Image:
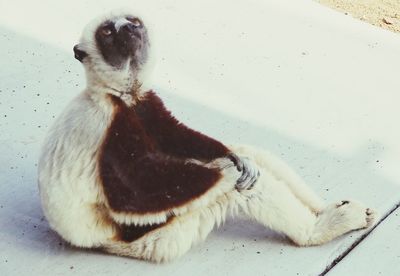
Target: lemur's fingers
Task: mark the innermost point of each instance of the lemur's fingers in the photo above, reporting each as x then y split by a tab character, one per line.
237	161
220	163
254	179
249	170
249	177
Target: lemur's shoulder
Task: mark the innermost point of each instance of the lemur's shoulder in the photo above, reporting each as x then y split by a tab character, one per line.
173	136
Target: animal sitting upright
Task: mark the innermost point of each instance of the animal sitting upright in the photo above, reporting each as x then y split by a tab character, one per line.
118	172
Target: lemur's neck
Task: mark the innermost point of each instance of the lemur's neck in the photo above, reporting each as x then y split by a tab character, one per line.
130	96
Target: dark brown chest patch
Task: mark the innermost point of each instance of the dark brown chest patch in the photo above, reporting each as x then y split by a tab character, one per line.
139	176
173	137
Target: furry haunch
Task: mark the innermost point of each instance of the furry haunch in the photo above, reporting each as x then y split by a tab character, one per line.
118	172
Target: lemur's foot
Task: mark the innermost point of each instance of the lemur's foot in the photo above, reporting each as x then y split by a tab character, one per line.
352	214
249	170
371	216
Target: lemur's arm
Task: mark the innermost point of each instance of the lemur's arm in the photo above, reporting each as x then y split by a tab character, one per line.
173	137
144	184
150	188
176	139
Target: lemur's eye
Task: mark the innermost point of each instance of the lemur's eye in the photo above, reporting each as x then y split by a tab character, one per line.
136	21
106	31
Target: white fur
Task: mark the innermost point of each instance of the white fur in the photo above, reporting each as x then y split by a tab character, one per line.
75	205
71	197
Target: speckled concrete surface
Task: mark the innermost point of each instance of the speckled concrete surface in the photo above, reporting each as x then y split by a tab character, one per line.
316	87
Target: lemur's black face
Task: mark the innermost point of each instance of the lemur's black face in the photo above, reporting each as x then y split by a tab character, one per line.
122	39
119	40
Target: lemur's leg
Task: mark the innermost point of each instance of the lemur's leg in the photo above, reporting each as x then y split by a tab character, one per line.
284	173
178	236
273	203
270	202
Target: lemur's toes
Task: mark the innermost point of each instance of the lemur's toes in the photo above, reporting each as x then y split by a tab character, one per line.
342	203
371	216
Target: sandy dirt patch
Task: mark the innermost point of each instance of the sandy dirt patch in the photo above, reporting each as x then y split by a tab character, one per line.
382	13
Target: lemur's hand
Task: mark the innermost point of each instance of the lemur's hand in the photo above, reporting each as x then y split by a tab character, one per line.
250	172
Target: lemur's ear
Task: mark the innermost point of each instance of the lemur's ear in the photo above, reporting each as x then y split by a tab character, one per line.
80	54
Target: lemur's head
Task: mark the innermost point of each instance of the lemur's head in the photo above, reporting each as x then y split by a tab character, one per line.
114	51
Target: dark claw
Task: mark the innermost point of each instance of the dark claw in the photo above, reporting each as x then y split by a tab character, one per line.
243	177
251	186
342	203
253	181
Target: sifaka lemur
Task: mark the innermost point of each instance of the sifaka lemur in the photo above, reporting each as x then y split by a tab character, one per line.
118	172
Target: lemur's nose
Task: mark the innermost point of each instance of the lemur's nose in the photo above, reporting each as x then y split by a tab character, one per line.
125	25
128	27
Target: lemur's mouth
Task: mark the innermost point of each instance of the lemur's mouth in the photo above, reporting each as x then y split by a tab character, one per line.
128	31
